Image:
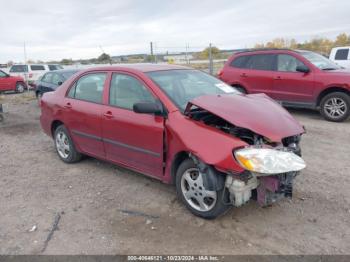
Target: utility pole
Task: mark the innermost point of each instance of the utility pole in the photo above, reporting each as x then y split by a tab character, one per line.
25	64
151	46
210	60
155	53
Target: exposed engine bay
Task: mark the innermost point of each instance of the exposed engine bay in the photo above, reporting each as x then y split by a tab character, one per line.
266	189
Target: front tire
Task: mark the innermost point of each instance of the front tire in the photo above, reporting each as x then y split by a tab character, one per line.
335	107
190	190
64	146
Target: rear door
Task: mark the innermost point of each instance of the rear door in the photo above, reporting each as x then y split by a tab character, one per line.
258	73
290	85
83	113
132	139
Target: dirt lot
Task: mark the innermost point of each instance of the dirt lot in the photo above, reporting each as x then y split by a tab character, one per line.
105	209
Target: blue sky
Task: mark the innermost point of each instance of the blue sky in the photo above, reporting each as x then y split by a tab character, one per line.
76	28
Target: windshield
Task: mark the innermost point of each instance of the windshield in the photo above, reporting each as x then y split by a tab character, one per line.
181	86
319	61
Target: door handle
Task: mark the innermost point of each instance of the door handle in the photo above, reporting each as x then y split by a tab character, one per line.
68	105
108	114
243	75
278	78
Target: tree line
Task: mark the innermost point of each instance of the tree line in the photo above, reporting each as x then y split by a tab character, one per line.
319	44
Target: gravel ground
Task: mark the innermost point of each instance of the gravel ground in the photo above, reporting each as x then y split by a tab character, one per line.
105	209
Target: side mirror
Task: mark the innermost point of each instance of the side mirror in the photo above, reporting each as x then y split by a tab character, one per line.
147	108
60	83
302	69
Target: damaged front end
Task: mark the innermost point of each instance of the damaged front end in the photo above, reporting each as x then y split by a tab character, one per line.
270	165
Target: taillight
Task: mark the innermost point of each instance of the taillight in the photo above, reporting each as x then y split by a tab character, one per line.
30	75
220	73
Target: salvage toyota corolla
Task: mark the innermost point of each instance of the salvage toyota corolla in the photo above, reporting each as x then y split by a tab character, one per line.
219	147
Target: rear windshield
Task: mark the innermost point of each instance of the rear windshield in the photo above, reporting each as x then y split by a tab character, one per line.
55	67
68	74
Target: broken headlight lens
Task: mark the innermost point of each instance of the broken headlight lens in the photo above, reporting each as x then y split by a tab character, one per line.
268	161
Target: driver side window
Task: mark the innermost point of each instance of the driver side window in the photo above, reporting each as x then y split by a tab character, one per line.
126	90
288	63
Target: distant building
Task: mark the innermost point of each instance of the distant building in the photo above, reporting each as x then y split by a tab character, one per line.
177	58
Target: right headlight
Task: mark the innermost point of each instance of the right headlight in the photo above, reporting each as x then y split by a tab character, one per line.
268	161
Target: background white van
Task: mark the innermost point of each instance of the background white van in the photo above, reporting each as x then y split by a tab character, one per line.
341	56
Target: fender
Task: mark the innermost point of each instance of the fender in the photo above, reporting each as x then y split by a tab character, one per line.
211	146
212	179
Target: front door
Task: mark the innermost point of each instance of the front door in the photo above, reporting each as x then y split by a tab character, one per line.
132	139
290	85
83	113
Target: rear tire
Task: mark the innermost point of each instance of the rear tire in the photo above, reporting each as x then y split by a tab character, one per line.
190	190
335	107
65	147
20	87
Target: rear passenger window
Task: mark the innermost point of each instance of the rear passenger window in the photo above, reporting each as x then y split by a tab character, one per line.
342	54
240	62
126	90
261	62
288	63
19	69
89	88
37	68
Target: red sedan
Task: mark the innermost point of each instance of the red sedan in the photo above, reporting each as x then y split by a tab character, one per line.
218	146
11	83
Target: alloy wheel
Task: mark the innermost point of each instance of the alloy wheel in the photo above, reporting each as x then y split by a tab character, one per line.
335	107
62	144
194	192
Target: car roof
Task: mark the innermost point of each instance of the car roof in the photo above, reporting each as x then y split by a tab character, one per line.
62	71
262	50
141	67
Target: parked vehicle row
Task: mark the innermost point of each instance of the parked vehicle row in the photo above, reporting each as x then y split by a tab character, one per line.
180	126
295	78
32	72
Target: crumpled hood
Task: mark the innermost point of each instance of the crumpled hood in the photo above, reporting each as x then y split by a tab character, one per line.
256	112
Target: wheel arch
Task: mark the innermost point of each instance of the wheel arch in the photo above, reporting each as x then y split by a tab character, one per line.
177	160
240	86
54	125
329	90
